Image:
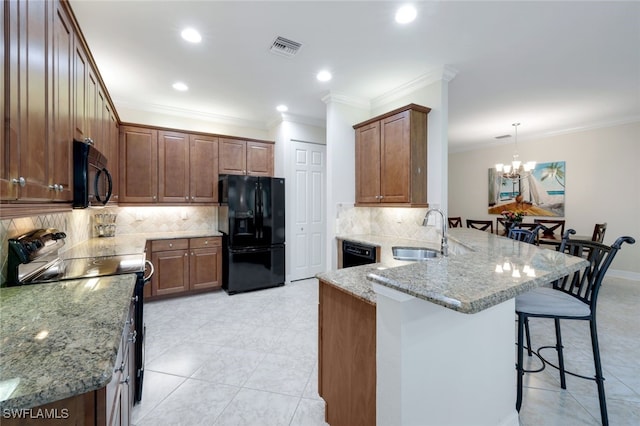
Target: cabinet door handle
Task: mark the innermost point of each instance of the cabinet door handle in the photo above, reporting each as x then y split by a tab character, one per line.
206	242
170	245
132	336
125	381
186	197
20	181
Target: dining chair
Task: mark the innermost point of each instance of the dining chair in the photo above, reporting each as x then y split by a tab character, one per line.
501	226
525	235
598	232
482	225
573	297
550	226
455	222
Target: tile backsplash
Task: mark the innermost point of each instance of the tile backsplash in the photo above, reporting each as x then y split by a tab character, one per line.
387	221
79	224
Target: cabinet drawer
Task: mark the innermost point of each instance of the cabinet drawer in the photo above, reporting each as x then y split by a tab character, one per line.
205	242
164	245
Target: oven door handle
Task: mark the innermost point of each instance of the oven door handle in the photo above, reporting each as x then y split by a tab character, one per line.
151	270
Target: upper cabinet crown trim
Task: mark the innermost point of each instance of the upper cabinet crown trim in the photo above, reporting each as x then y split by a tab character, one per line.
414	107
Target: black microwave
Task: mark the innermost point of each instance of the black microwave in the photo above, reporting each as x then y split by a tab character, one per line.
92	183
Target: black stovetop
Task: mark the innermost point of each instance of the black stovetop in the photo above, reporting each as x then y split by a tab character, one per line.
89	267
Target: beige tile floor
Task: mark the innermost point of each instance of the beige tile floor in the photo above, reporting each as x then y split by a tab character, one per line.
251	359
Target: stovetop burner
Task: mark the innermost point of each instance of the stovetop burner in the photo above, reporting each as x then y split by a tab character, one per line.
69	269
34	258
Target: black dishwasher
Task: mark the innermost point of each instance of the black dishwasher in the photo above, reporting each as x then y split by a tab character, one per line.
355	254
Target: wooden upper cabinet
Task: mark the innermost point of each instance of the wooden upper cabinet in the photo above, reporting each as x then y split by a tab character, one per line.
25	166
111	134
61	123
51	95
259	158
391	158
395	183
93	116
80	101
239	157
233	157
204	169
138	158
368	163
173	167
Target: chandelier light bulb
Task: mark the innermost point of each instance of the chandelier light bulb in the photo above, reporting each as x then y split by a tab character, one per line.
517	170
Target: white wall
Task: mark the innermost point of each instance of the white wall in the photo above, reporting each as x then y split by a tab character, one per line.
194	123
284	133
602	183
341	177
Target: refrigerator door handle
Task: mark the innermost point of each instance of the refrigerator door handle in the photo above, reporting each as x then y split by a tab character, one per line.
261	229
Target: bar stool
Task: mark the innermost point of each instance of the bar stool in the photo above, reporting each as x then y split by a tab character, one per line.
529	236
573	297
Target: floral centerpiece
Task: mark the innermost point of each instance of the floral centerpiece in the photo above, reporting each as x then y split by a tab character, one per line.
515	216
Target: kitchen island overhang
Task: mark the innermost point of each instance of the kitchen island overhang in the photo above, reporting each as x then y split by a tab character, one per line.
445	329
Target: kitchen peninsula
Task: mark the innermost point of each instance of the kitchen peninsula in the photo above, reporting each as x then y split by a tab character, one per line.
420	343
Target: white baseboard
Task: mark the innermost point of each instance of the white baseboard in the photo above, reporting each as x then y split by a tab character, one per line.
628	275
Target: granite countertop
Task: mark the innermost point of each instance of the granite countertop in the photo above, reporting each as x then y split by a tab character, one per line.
127	244
466	280
60	339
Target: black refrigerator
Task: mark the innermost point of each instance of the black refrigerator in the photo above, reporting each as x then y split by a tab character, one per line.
251	219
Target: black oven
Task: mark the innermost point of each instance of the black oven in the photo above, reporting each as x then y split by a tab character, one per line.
92	183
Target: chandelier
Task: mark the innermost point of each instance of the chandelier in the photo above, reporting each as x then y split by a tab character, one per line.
517	169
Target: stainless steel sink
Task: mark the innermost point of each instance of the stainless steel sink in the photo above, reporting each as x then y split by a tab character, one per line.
414	253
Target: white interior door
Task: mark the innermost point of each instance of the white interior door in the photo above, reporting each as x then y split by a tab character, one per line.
307	253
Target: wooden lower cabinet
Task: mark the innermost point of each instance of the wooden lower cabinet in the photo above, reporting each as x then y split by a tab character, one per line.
346	357
185	265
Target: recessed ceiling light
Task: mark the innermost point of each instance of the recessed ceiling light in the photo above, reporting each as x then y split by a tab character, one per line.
282	108
191	35
180	86
406	14
324	75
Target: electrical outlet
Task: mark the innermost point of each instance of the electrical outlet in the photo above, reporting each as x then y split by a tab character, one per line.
139	216
184	215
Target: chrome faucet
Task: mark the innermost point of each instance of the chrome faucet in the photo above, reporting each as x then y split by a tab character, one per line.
444	245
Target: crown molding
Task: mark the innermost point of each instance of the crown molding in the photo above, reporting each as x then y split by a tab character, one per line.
193	114
341	98
444	73
541	135
294	118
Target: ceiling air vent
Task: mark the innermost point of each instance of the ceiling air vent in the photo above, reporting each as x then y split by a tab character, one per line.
285	47
503	136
